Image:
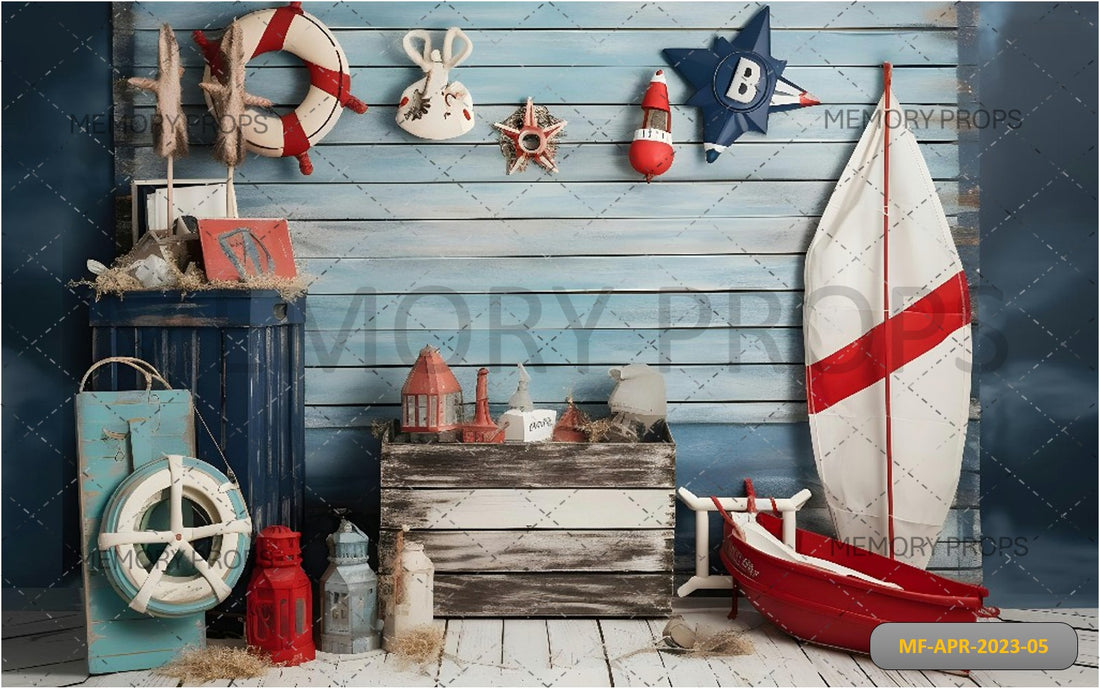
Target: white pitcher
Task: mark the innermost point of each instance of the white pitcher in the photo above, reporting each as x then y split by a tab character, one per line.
435	108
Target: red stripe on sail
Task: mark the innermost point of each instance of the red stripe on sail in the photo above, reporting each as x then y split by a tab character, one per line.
276	29
913	332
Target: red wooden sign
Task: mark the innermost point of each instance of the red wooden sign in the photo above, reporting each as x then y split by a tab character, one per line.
238	248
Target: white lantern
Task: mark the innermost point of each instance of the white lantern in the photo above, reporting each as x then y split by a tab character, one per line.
349	594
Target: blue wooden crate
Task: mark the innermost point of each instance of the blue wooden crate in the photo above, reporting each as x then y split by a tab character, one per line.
240	353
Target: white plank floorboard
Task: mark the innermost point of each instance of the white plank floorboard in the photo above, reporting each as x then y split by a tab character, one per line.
1086	648
631	654
684	669
576	650
395	672
1078	618
840	668
1073	676
560	652
893	676
473	653
710	616
526	653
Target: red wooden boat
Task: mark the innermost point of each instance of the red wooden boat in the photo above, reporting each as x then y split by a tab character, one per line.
823	593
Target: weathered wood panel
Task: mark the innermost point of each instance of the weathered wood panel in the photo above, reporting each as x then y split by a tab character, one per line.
553	594
530	551
522	508
551	464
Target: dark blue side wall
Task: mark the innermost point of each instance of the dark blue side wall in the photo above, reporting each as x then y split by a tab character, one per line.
1038	304
57	212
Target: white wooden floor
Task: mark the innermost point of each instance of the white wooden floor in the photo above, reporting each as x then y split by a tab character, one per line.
47	649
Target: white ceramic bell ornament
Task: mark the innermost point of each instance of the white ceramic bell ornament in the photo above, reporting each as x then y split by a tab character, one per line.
436	108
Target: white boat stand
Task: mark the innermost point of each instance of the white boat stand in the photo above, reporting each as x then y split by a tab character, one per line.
703	580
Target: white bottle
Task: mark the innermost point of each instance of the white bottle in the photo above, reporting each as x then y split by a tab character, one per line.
416	589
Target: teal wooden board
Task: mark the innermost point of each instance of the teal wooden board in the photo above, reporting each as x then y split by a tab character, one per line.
537	195
553	85
579	162
571	48
715	346
151	424
561	237
551	384
835	121
571	15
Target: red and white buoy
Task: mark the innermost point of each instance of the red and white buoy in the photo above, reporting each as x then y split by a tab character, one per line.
651	151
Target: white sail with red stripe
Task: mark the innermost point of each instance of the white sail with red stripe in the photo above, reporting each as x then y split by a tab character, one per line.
888	347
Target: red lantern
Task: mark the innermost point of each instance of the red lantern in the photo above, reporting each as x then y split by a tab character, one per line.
280	599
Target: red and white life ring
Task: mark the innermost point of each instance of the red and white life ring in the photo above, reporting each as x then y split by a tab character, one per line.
301	34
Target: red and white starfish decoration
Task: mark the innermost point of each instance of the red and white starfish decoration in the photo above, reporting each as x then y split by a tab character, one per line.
531	141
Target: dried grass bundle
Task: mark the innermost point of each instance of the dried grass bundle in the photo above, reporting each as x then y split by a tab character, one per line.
118	281
419	646
197	666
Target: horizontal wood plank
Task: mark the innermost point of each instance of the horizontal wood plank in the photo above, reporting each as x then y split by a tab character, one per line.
366	47
360	347
562	237
611	123
577	162
517	310
550	464
535	15
284	86
553	595
355	419
554	509
552	384
536	194
511	551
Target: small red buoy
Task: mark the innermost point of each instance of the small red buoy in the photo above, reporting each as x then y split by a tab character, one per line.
651	151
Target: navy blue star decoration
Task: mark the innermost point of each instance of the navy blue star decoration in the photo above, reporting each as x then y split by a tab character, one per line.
738	84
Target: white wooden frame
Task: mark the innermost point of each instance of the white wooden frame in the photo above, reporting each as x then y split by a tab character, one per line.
703	579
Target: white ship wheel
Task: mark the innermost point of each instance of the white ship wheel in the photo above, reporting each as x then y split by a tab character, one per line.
151	586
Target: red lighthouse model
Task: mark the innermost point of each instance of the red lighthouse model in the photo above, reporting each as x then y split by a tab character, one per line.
651	151
280	599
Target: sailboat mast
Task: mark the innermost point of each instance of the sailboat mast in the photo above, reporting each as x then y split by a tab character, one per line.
889	342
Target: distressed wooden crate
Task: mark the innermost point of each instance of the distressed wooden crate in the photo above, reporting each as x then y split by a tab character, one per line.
547	529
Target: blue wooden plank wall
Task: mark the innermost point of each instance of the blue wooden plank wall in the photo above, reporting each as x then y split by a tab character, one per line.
700	272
